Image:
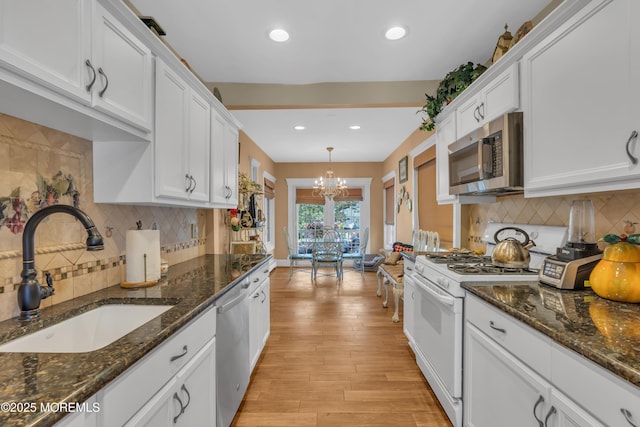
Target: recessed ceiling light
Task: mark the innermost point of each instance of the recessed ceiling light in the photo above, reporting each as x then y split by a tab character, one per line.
354	127
279	35
395	33
299	127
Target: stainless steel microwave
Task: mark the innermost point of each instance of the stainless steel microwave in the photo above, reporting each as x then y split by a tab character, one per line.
488	161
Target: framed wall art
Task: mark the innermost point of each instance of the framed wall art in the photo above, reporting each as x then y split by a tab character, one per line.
403	169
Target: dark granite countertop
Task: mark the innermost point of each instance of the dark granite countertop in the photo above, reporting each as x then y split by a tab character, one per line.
604	331
192	286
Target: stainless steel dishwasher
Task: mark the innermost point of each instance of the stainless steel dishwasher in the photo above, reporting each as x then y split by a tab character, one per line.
232	352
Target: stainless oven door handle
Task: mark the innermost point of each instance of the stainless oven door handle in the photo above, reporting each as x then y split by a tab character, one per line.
445	300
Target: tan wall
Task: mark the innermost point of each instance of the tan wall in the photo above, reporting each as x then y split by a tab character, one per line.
315	170
404	224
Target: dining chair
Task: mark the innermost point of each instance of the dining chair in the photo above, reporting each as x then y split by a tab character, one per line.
294	256
360	255
327	253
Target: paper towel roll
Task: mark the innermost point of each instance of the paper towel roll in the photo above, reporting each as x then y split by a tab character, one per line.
139	244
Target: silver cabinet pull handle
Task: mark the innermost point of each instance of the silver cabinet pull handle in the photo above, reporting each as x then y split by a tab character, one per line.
535	407
495	328
93	72
263	299
195	184
628	417
188	396
549	414
188	182
176	397
184	353
475	114
106	82
481	110
633	136
257	295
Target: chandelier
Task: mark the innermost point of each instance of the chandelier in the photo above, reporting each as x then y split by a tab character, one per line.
329	186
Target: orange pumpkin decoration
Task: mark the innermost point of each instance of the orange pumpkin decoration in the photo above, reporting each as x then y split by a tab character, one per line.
617	274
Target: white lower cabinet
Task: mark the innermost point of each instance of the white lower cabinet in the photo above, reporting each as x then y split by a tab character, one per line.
499	390
188	399
409	298
176	381
510	377
259	314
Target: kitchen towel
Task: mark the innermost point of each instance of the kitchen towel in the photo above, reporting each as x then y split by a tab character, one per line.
143	255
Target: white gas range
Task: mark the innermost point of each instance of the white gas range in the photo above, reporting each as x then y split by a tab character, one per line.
438	300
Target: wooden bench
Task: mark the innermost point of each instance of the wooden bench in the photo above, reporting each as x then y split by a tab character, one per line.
391	275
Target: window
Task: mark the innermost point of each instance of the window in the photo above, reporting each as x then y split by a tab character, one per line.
348	215
389	210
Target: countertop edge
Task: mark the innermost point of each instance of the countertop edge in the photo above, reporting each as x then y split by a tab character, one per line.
99	381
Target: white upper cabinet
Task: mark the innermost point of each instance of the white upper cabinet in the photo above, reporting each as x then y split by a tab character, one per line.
50	46
123	72
580	101
224	162
445	135
77	49
501	95
182	138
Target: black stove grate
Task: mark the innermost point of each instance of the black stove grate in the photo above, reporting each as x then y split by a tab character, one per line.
474	264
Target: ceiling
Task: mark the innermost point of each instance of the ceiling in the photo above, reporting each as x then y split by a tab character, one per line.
332	41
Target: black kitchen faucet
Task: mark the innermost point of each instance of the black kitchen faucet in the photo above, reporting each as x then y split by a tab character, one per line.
30	292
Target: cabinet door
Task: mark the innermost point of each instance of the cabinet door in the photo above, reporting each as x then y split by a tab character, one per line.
577	128
231	163
199	144
564	412
171	148
260	320
408	307
124	72
159	410
499	390
219	193
254	326
445	134
48	42
468	116
500	95
196	390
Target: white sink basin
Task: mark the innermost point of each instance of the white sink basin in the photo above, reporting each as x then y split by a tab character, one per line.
88	331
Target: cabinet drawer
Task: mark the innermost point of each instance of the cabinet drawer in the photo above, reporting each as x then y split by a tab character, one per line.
129	392
526	344
602	393
258	276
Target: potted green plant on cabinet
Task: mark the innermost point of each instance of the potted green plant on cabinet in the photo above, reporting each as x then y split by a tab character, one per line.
451	86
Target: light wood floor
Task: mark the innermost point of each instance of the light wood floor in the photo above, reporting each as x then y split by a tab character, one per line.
334	358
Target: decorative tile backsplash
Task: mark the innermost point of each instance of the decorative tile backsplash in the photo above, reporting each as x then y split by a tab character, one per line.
612	209
35	165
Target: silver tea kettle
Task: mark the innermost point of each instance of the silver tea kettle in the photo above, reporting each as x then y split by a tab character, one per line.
510	252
